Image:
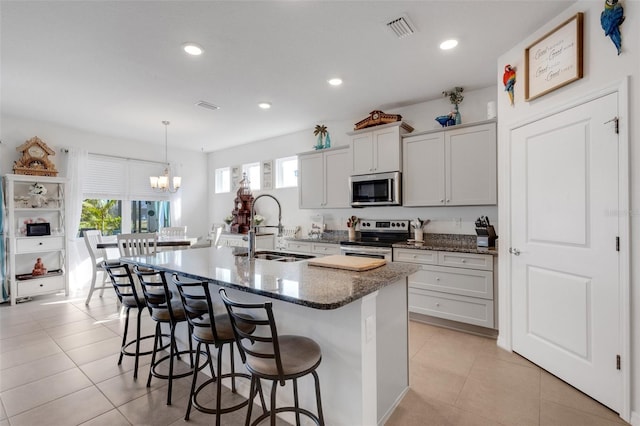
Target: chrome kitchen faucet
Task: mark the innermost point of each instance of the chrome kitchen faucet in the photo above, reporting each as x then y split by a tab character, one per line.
252	227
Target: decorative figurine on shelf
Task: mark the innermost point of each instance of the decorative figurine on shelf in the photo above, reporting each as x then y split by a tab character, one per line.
509	80
610	19
37	192
320	131
446	120
38	268
455	96
35	159
242	207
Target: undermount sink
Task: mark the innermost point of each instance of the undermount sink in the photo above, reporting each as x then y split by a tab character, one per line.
278	256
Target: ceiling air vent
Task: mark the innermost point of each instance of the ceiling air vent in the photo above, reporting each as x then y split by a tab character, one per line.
205	104
401	26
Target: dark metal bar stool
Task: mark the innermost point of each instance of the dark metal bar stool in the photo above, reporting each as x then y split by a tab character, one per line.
211	328
277	358
164	310
125	288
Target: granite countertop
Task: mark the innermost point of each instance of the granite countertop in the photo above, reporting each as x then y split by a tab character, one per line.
294	282
449	242
426	246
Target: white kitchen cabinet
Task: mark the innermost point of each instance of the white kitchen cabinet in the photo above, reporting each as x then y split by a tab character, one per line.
378	149
50	243
298	246
323	179
453	167
263	242
315	248
452	285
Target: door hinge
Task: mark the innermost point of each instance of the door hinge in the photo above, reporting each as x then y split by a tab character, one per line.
617	121
617	362
617	243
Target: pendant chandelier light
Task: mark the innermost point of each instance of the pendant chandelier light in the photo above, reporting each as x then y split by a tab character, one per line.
163	183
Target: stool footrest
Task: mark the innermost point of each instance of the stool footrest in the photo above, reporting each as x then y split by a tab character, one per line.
165	358
290	410
133	342
208	410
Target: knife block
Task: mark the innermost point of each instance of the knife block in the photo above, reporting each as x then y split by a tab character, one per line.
486	236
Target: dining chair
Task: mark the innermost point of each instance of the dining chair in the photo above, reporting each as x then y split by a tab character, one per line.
137	244
91	240
173	231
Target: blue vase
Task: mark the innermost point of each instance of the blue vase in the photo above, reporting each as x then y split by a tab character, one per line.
327	141
319	142
458	116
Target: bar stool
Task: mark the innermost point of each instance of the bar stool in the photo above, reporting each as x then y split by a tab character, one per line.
164	310
277	358
211	328
125	288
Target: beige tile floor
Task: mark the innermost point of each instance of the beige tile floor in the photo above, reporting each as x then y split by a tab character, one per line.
58	366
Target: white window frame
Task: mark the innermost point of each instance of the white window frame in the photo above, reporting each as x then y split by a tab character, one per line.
254	180
222	182
280	172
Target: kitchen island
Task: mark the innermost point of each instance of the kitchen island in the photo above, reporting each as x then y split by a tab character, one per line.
359	319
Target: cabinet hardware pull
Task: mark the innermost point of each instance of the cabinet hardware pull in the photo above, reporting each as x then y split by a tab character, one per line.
463	261
514	251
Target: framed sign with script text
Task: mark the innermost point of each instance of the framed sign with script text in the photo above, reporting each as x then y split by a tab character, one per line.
554	60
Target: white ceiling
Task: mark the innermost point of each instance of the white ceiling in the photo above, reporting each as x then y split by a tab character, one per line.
117	68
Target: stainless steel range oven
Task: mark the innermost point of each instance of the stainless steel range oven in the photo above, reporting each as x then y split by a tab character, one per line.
376	238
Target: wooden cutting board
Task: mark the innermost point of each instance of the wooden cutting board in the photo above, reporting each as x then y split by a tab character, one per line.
351	263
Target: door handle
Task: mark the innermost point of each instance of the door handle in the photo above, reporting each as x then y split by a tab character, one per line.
514	251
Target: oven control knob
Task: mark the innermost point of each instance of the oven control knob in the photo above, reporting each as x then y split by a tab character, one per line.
404	224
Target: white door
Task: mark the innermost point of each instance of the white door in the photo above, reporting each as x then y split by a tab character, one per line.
565	276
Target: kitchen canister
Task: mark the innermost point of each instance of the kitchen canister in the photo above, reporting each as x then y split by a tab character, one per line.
491	110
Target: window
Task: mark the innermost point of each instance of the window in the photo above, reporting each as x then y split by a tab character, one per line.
149	216
253	173
119	199
103	215
223	180
287	172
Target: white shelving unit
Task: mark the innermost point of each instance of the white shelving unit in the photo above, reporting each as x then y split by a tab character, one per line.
22	250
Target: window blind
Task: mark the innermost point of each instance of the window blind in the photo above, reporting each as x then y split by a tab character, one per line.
121	179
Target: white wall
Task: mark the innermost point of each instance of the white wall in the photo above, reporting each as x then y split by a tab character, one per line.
188	205
602	68
420	116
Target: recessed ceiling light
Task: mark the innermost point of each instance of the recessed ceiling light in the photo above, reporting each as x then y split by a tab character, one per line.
448	44
335	81
265	105
193	49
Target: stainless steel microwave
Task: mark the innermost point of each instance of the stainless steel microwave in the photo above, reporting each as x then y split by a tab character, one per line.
380	189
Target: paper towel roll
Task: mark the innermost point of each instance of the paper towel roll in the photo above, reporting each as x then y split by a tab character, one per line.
491	110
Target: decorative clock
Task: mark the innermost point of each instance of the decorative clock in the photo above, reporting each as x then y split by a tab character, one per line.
35	159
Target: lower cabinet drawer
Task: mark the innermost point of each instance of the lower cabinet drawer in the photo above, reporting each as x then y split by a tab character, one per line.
37	244
465	282
299	247
469	310
325	249
40	285
415	256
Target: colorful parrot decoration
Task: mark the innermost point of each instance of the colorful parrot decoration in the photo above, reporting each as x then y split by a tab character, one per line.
611	18
509	80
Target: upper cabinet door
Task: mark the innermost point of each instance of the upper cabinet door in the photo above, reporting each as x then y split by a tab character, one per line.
311	180
336	172
471	164
386	150
423	177
362	146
